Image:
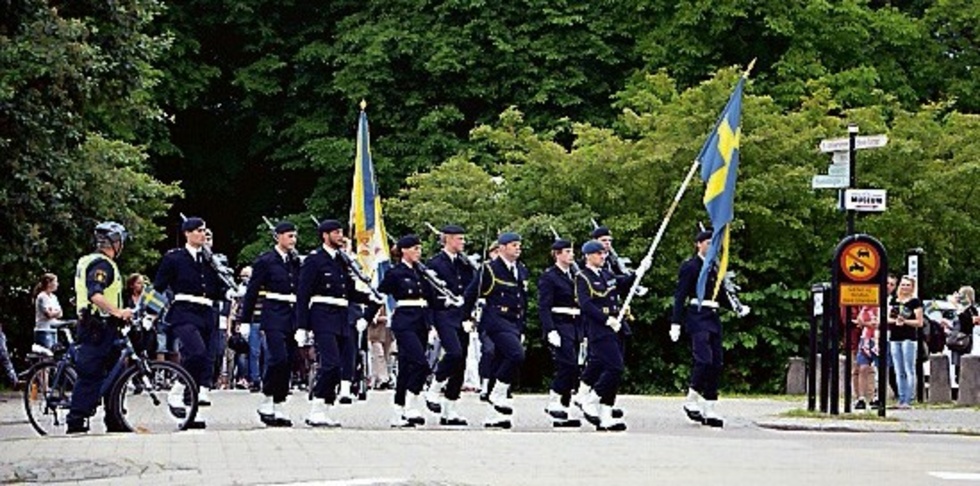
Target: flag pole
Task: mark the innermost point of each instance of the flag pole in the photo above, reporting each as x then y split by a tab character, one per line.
666	220
656	239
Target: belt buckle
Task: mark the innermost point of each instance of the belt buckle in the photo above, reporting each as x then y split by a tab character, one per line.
503	309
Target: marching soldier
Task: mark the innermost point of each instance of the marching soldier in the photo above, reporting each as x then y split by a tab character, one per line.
324	297
503	283
98	294
485	366
704	327
448	317
561	326
274	278
192	316
410	324
598	292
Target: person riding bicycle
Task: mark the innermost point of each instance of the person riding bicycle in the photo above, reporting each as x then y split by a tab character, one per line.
98	287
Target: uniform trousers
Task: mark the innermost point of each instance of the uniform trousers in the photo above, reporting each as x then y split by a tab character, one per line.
329	351
566	362
275	382
455	344
707	353
509	354
195	349
608	363
412	365
95	354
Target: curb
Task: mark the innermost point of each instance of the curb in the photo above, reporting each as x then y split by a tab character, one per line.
892	428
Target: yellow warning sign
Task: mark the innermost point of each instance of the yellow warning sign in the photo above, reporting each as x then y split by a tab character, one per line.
860	262
859	294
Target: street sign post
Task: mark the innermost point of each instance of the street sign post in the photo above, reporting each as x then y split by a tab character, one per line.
839	170
829	182
865	200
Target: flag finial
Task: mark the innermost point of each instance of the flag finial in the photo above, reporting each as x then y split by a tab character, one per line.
749	69
363	104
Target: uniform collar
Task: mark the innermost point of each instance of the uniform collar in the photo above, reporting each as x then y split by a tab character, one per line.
282	256
452	256
332	252
193	251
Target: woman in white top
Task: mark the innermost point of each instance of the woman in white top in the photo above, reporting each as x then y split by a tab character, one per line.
47	310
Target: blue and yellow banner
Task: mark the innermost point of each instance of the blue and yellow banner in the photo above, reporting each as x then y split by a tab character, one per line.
719	169
367	225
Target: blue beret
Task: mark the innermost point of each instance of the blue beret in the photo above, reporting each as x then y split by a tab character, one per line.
191	224
592	246
408	241
285	227
452	229
600	232
561	244
703	235
329	225
506	238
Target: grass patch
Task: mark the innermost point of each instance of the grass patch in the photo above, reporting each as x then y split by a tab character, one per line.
765	396
803	413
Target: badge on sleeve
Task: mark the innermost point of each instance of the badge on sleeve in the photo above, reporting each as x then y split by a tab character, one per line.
100	276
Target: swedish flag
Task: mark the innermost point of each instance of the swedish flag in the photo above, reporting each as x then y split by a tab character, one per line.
719	168
367	225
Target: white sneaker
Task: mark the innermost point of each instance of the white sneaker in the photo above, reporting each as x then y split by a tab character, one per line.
411	413
694	406
266	410
433	396
319	415
554	408
590	408
279	417
449	416
175	400
345	397
712	419
398	419
203	397
499	400
607	422
497	420
583	393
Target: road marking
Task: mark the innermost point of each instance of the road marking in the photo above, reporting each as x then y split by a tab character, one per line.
956	476
345	482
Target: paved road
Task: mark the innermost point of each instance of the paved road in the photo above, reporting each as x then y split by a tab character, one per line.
661	446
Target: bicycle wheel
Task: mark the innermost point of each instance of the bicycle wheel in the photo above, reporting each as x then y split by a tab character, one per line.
154	397
47	397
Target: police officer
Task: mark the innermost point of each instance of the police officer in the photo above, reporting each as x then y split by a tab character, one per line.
503	283
274	278
98	296
451	266
410	324
561	327
192	316
324	297
599	292
704	327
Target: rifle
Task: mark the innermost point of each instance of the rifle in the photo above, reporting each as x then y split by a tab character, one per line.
471	260
354	268
439	285
622	264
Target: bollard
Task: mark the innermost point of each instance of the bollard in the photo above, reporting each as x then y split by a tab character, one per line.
796	376
969	380
939	383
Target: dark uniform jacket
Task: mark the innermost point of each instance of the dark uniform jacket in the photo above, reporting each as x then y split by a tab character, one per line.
598	295
181	273
402	282
324	276
457	274
695	320
557	289
272	273
506	297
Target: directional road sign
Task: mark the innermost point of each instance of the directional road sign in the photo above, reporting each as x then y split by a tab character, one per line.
830	182
839	170
844	144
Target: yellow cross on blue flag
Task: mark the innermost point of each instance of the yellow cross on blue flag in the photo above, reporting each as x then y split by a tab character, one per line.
719	168
367	225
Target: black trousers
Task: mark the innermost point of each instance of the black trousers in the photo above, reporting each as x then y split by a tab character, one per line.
608	363
94	357
707	353
509	355
330	352
413	368
275	382
566	363
452	367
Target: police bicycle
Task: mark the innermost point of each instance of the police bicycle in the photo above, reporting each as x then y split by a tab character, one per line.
139	395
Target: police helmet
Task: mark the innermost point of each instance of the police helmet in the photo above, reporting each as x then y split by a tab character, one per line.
109	232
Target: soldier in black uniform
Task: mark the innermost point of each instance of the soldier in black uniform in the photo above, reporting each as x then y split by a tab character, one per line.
274	277
192	316
325	294
598	292
704	327
410	324
451	266
98	293
503	284
485	366
562	329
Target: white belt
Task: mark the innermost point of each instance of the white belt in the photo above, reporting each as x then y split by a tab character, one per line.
704	303
412	303
323	299
568	311
291	298
193	299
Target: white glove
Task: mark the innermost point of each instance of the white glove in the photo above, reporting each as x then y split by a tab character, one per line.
147	322
614	323
433	337
452	301
522	339
641	290
360	325
675	332
468	326
744	310
554	339
645	265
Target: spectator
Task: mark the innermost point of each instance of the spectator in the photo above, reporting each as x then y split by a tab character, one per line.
904	319
966	317
47	311
866	355
6	365
142	339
